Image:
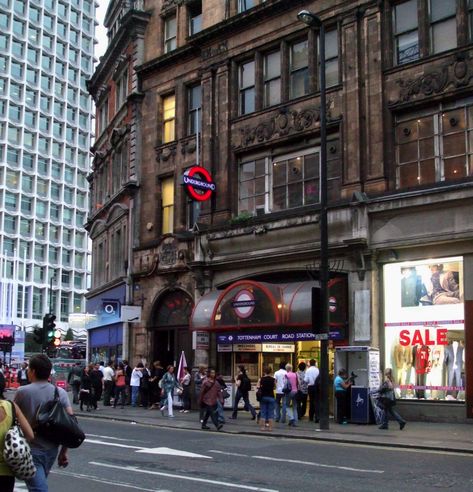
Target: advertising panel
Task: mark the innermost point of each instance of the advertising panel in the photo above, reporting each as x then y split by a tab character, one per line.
424	328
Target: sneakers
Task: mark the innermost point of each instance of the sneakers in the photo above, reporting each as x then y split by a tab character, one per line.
186	411
402	425
181	411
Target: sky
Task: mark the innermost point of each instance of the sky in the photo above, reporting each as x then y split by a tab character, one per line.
100	32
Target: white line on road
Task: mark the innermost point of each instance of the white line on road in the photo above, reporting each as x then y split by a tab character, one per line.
116	444
113	438
226	453
183	477
320	465
105	481
172	452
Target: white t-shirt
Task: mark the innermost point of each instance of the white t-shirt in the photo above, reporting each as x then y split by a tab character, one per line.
311	375
280	377
108	374
136	376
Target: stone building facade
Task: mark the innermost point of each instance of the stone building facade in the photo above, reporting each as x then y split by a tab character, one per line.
243	76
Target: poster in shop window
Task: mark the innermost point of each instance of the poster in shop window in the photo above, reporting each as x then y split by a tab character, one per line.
424	328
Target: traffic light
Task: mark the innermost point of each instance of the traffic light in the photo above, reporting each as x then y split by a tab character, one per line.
49	326
57	338
38	335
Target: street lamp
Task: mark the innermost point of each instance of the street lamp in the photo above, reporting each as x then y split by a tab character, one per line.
315	22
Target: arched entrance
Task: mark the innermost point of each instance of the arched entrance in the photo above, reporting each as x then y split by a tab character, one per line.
170	328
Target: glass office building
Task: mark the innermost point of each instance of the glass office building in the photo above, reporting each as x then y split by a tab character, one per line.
46	57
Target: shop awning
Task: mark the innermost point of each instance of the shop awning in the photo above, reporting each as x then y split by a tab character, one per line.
251	304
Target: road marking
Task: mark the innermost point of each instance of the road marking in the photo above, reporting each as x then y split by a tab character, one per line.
226	453
113	438
172	452
105	481
319	465
116	444
183	477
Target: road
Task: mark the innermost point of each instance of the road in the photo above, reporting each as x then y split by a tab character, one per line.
128	457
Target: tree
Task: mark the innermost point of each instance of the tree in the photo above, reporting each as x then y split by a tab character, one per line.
30	344
69	335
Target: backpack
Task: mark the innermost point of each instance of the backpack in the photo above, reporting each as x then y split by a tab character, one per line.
287	388
245	384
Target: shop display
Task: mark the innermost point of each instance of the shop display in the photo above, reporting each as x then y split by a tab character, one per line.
424	328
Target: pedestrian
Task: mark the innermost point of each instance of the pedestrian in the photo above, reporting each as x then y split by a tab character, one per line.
210	394
157	372
135	382
199	377
266	386
120	385
388	400
243	384
96	378
291	403
86	392
128	370
22	375
74	380
280	377
185	383
168	384
7	480
341	385
145	387
108	374
101	366
221	400
303	390
312	378
29	398
2	381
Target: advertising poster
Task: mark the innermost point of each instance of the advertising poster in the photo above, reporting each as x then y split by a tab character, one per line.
424	328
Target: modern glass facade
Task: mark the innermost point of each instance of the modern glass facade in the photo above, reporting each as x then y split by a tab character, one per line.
46	57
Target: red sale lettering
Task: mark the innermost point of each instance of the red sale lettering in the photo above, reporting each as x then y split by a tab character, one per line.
426	338
442	336
404	338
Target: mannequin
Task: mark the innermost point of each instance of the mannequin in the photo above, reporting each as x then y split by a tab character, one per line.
454	361
435	376
421	354
403	358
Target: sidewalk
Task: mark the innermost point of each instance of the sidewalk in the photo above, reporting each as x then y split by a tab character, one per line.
456	438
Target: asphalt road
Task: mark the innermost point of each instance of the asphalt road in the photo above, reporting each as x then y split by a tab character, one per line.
126	457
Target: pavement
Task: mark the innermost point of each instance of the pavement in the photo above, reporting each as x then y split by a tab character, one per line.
450	437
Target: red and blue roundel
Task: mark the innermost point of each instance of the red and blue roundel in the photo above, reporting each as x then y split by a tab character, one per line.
198	183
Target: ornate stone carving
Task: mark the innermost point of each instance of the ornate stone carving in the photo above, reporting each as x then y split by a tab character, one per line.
283	123
163	154
188	146
117	134
457	73
211	51
169	4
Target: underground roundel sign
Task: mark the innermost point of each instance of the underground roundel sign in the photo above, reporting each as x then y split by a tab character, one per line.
244	303
198	183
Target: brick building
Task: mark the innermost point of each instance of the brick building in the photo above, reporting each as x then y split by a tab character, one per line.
243	75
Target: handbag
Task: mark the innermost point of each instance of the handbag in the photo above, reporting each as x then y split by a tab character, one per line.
259	394
17	452
56	425
287	388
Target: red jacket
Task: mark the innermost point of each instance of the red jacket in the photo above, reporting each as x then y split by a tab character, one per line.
210	392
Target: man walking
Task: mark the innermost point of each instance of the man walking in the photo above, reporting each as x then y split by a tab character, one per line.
74	380
313	383
22	375
209	395
29	398
108	374
243	388
280	377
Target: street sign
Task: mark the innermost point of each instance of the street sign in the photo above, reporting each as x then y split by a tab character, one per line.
321	336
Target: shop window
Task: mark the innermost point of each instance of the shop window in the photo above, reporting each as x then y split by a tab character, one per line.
299	69
247	87
167	205
424	328
443	25
435	147
170	34
194	116
272	79
169	117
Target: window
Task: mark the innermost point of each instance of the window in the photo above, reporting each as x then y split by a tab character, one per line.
103	116
43	165
443	25
32	55
14	113
18	28
16	70
170	34
167	205
272	79
9	224
247	87
45	104
331	58
27	183
406	32
30	118
64	306
195	115
25	227
31	97
18	48
195	18
122	89
253	189
299	69
435	146
169	116
33	35
245	5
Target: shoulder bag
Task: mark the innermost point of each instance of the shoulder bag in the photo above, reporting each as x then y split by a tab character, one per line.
17	452
56	425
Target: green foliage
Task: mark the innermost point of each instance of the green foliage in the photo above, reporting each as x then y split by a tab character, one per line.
241	219
69	335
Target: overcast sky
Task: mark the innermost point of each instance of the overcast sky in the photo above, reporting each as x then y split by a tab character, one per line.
100	32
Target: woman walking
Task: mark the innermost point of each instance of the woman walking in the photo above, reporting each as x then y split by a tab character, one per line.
291	403
388	400
185	383
86	391
266	386
120	385
302	393
168	384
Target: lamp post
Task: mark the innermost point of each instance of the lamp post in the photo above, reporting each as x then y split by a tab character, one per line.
315	22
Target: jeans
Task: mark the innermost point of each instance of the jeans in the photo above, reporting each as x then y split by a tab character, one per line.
267	407
135	390
119	395
301	405
167	399
44	460
291	406
389	409
280	398
75	391
248	407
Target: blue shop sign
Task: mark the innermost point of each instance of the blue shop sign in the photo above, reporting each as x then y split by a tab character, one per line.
298	336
